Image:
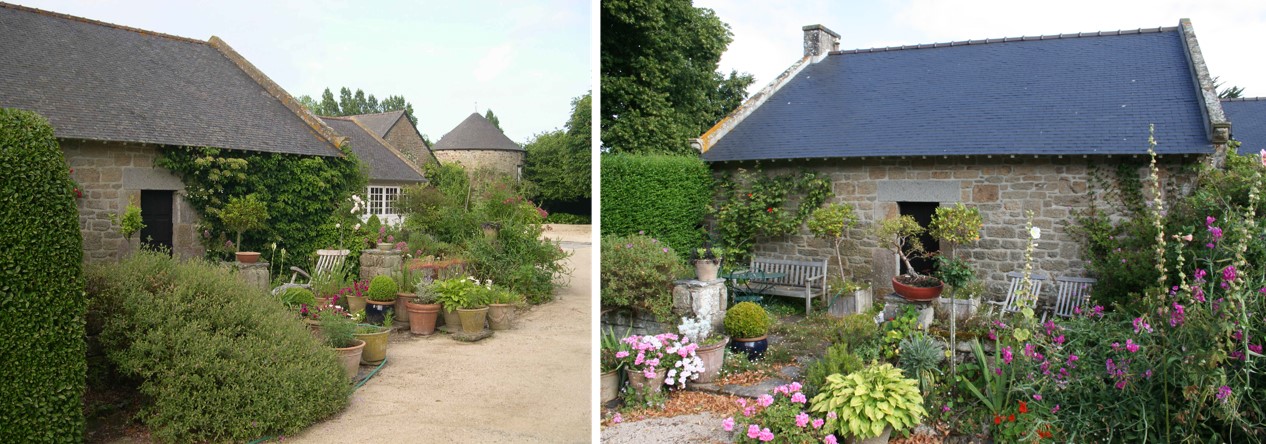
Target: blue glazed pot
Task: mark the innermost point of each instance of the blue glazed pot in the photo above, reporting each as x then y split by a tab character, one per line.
753	347
374	311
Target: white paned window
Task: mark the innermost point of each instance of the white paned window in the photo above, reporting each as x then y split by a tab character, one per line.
382	201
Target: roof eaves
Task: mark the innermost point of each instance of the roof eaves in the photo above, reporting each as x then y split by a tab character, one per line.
389	147
1244	99
323	131
749	106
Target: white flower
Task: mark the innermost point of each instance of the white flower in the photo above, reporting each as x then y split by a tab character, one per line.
356	198
337	225
1036	232
356	227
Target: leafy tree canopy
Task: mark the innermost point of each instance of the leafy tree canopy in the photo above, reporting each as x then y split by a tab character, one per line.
660	85
558	162
493	118
353	103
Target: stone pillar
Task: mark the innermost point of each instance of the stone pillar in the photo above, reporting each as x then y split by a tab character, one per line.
692	297
374	262
893	305
255	274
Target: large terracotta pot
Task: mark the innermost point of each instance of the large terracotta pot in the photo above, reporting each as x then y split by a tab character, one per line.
500	316
610	384
713	356
247	257
706	269
355	303
402	320
452	320
350	358
921	294
754	348
473	319
422	318
375	345
639	381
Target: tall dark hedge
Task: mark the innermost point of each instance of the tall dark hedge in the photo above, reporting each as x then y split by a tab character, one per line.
42	301
665	196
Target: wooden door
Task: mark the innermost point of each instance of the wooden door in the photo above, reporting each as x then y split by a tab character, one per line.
156	213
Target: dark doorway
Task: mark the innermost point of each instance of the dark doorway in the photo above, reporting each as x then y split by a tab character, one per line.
922	212
156	209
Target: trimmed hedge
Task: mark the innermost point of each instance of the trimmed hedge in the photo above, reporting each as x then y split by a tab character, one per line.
218	359
41	287
665	197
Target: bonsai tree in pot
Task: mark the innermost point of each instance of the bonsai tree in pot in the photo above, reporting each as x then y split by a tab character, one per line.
901	236
748	326
244	214
955	226
870	403
380	298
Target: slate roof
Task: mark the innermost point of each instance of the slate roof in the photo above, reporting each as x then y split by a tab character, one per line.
476	133
380	123
1070	94
384	161
98	81
1248	122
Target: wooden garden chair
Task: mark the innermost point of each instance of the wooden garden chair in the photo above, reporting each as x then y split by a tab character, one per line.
1011	303
328	261
1071	293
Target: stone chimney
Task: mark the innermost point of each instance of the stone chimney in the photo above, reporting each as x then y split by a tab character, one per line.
818	41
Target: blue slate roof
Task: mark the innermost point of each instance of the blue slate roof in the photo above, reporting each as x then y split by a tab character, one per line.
1248	122
1069	94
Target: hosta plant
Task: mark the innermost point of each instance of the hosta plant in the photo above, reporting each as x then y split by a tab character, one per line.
869	400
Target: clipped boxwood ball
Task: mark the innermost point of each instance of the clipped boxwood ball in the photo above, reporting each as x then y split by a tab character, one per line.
382	288
746	320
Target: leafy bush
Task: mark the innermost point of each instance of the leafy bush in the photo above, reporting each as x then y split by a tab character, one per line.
339	331
752	205
662	196
638	273
382	288
838	360
519	258
42	291
567	219
869	400
218	359
746	320
294	297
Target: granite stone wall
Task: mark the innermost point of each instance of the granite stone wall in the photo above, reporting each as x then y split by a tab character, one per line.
403	137
507	162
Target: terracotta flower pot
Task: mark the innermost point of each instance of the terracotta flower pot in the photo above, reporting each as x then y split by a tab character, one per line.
355	303
375	345
920	294
402	299
639	381
350	358
473	319
452	320
247	257
706	269
422	318
713	356
610	384
500	316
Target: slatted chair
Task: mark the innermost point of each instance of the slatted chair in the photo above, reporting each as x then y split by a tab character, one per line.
804	279
328	261
1011	303
1071	293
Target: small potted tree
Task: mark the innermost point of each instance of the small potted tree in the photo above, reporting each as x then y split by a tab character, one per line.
380	299
244	214
870	403
956	226
832	223
901	236
748	326
707	261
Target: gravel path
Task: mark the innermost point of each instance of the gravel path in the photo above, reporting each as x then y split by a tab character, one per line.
530	384
698	428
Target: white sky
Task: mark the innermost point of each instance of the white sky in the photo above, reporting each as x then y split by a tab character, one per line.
524	60
767	35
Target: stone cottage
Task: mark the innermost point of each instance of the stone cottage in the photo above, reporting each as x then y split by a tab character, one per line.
116	96
1249	116
389	169
1005	125
395	128
477	143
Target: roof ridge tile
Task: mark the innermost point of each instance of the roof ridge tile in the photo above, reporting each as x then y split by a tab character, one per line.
1008	40
98	23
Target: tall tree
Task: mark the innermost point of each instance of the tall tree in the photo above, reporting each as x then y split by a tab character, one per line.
558	162
328	106
493	118
660	85
1233	92
350	104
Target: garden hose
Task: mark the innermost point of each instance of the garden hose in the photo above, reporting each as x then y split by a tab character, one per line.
354	388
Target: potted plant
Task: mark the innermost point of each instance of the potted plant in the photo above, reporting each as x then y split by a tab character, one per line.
355	295
380	299
375	338
386	241
339	332
707	262
748	326
406	282
423	309
846	292
901	236
451	293
954	226
711	348
644	364
244	214
501	307
832	223
611	357
130	223
473	308
870	403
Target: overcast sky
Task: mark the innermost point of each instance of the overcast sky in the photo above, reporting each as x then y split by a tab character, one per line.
525	60
767	35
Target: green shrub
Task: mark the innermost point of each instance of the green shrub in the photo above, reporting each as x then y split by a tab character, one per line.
568	219
382	288
519	258
339	331
41	287
837	360
218	360
746	320
638	273
294	297
662	196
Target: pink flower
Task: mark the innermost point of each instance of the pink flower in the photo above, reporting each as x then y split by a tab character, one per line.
1055	409
765	400
795	386
1037	396
818	423
766	435
742	402
831	415
749	411
753	431
617	419
728	424
1131	346
802	419
799	398
1223	393
621	354
830	439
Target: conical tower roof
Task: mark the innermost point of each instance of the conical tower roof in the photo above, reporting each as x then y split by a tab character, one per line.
476	133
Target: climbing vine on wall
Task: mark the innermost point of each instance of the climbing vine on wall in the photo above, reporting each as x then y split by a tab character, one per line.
753	205
304	195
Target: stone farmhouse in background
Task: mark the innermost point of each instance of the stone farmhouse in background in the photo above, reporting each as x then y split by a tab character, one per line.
1005	125
476	143
389	169
117	96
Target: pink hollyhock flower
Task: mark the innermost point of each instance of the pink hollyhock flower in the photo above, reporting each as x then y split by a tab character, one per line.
765	400
728	424
1006	355
753	431
802	419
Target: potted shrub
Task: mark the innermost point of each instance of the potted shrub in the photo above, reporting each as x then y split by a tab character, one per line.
339	332
354	295
711	348
846	292
611	357
381	298
473	309
244	214
954	226
130	223
748	326
451	293
501	307
423	309
901	236
870	403
707	262
375	338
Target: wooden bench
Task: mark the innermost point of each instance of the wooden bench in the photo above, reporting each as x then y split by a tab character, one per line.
802	279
